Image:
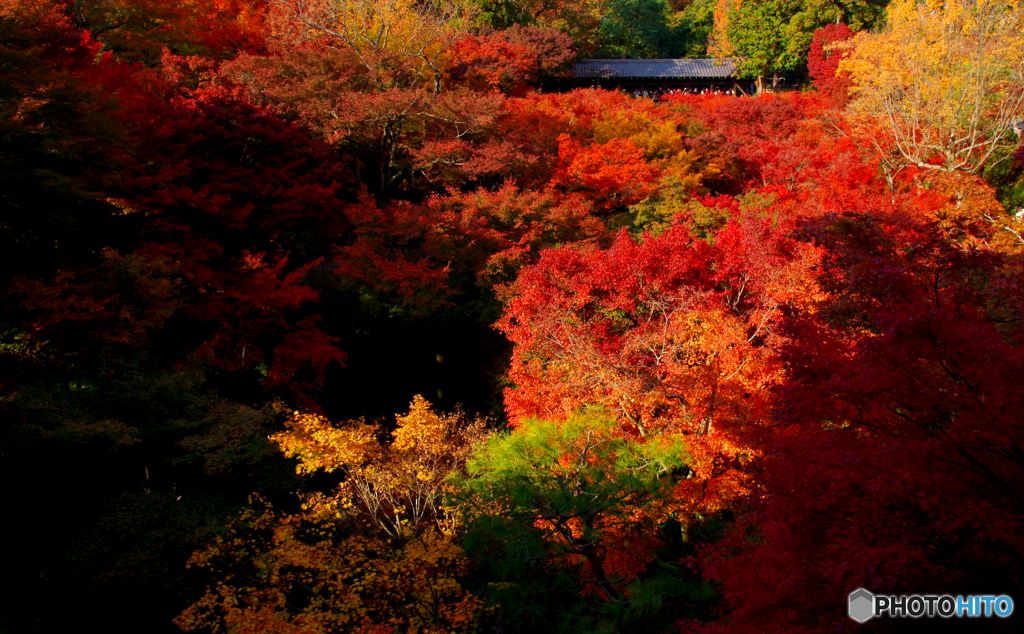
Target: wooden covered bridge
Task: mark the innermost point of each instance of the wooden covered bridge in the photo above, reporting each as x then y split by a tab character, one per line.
633	75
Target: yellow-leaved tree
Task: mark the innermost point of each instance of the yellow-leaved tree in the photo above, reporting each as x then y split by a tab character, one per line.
944	82
418	33
397	487
374	556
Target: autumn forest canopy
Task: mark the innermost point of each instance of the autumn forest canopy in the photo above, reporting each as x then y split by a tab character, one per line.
357	316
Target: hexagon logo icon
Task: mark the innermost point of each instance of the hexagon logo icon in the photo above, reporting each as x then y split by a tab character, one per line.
862	605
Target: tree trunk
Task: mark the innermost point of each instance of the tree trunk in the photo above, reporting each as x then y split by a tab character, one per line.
597	567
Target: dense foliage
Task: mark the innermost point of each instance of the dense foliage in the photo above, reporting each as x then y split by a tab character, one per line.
355	316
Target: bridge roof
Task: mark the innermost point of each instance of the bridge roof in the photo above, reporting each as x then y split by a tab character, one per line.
693	68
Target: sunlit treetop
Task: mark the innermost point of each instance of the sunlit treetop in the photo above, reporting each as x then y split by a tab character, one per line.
945	79
419	34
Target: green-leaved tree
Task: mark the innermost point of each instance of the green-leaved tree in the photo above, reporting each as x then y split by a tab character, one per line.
760	36
553	508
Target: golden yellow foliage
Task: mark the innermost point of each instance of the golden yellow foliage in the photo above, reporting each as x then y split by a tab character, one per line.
394	486
418	32
373	556
660	140
319	445
284	573
945	79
